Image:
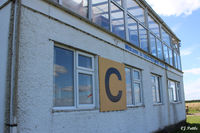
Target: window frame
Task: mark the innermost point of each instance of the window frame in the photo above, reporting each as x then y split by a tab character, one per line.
77	69
160	89
133	80
177	94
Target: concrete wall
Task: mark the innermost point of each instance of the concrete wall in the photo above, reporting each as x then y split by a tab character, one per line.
42	26
4	28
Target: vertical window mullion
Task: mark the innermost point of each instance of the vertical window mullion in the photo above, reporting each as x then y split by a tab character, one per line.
90	9
110	16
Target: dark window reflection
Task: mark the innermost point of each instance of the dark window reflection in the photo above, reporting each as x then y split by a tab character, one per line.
85	88
84	61
78	6
100	13
63	77
133	31
117	21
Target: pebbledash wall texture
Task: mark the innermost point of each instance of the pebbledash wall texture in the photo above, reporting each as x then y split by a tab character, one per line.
52	66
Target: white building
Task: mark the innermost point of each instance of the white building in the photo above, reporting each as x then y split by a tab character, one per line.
85	66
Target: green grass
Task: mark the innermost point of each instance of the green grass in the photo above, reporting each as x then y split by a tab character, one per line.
193	111
193	119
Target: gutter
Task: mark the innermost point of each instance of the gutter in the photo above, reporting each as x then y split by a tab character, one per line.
13	66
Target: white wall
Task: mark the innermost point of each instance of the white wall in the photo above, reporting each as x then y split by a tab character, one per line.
35	79
4	28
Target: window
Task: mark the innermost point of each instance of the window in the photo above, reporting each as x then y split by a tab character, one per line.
143	38
153	45
134	87
156	88
175	60
73	79
170	57
78	6
166	54
134	9
165	37
160	50
117	17
100	13
153	26
133	31
174	91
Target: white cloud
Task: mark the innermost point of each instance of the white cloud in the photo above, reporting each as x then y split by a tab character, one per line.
174	7
192	90
59	69
194	71
185	52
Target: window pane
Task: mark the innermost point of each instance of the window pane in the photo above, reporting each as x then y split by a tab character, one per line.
118	1
128	87
170	57
133	31
165	37
153	45
85	88
136	75
153	80
159	48
175	60
63	77
137	93
143	38
77	6
166	54
135	10
157	90
84	61
117	16
153	26
100	13
179	62
179	91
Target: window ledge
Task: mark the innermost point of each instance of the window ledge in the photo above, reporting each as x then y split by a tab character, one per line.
179	102
158	104
71	109
135	106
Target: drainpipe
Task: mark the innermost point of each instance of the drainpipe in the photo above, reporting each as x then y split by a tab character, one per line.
14	66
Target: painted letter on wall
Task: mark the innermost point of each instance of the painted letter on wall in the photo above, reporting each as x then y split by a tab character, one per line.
112	85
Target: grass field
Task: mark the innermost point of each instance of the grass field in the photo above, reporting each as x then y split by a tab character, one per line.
194	107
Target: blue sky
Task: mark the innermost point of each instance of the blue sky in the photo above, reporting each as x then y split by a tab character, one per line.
183	17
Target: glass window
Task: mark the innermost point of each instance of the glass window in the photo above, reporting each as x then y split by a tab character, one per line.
153	45
100	13
117	16
170	57
85	88
159	48
73	84
143	38
118	1
165	37
178	91
63	77
84	61
133	31
128	87
175	60
166	54
137	11
153	26
78	6
133	86
174	91
179	62
156	88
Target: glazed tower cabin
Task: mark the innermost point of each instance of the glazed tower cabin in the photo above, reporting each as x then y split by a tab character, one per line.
85	66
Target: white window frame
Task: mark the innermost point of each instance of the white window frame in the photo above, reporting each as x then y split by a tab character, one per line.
77	70
178	94
160	89
133	80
